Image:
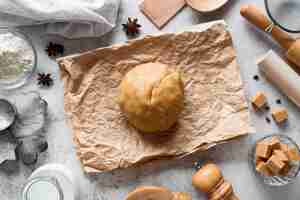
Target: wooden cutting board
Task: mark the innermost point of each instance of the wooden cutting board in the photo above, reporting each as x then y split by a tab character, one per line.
161	11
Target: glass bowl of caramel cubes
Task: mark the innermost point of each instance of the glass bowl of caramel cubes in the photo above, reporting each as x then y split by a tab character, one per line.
276	160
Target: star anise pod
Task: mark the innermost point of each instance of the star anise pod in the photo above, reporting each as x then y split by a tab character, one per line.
50	49
131	27
44	79
54	49
59	49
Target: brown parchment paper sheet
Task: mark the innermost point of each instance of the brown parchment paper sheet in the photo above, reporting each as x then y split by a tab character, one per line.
215	107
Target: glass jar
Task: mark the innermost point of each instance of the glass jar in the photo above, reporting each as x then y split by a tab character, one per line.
51	182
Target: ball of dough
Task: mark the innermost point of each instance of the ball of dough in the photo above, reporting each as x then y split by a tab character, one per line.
150	193
151	96
207	177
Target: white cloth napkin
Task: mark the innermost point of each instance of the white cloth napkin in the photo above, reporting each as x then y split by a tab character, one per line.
68	18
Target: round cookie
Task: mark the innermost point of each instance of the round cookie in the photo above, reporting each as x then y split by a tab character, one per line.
150	193
151	96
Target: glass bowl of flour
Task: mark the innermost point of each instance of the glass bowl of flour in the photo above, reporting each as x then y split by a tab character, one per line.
17	59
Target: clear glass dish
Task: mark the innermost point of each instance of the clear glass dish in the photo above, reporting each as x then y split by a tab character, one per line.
277	180
285	14
25	70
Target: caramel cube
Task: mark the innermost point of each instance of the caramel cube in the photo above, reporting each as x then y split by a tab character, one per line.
293	154
258	160
275	164
281	155
263	150
262	168
274	143
284	147
280	115
285	170
259	100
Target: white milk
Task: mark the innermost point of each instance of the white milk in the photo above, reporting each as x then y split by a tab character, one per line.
51	182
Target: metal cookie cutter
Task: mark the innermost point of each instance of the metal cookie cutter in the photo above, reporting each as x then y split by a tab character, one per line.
8	115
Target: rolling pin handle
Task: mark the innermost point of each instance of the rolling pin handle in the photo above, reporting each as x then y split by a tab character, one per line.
254	15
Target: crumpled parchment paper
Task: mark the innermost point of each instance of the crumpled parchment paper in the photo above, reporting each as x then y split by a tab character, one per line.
215	107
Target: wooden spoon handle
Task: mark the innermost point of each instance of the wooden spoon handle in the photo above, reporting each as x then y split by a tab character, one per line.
254	15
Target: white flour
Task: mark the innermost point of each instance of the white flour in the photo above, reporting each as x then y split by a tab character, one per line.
16	56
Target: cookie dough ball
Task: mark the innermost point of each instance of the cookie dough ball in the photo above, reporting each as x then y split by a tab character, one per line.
150	193
151	96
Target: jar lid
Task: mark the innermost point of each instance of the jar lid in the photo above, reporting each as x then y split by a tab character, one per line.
285	14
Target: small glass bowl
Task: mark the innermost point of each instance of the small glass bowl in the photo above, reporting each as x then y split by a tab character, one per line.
22	78
277	180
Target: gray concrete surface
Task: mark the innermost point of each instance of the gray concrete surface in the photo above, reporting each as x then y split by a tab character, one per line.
232	157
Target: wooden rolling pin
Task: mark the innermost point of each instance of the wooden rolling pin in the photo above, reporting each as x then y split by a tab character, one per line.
281	75
209	179
256	17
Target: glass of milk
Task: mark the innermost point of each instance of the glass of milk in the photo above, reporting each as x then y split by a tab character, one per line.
51	182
